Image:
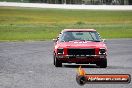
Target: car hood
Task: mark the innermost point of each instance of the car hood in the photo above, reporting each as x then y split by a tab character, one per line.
81	44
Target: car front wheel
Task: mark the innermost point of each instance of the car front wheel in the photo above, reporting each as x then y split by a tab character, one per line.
102	63
57	63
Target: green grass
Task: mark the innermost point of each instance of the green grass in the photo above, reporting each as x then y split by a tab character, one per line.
44	24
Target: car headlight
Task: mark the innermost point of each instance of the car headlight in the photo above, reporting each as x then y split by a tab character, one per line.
60	51
102	51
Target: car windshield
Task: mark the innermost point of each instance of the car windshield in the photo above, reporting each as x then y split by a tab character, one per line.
81	36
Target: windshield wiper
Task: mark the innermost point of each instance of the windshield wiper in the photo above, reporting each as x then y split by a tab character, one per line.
95	41
81	40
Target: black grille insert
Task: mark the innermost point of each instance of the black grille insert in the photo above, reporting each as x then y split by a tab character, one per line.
81	51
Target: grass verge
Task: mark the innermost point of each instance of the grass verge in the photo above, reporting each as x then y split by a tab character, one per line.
44	24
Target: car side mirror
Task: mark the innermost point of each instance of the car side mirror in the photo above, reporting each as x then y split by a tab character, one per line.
55	40
103	40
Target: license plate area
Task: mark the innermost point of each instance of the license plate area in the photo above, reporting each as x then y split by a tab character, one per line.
79	57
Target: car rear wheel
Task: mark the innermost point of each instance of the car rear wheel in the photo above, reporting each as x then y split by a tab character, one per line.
102	63
57	63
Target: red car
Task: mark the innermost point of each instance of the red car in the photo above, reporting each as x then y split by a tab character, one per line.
80	46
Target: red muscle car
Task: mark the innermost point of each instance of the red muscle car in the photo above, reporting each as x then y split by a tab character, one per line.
80	46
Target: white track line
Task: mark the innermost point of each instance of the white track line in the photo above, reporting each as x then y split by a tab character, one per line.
67	6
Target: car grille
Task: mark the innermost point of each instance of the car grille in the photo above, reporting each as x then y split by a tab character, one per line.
81	51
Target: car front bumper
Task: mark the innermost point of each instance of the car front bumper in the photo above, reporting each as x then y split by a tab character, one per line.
80	58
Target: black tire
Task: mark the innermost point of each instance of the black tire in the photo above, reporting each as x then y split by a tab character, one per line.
81	80
54	59
102	63
57	63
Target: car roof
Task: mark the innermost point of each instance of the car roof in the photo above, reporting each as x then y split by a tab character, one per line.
74	30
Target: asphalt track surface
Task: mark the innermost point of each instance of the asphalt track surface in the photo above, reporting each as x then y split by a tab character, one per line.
30	65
